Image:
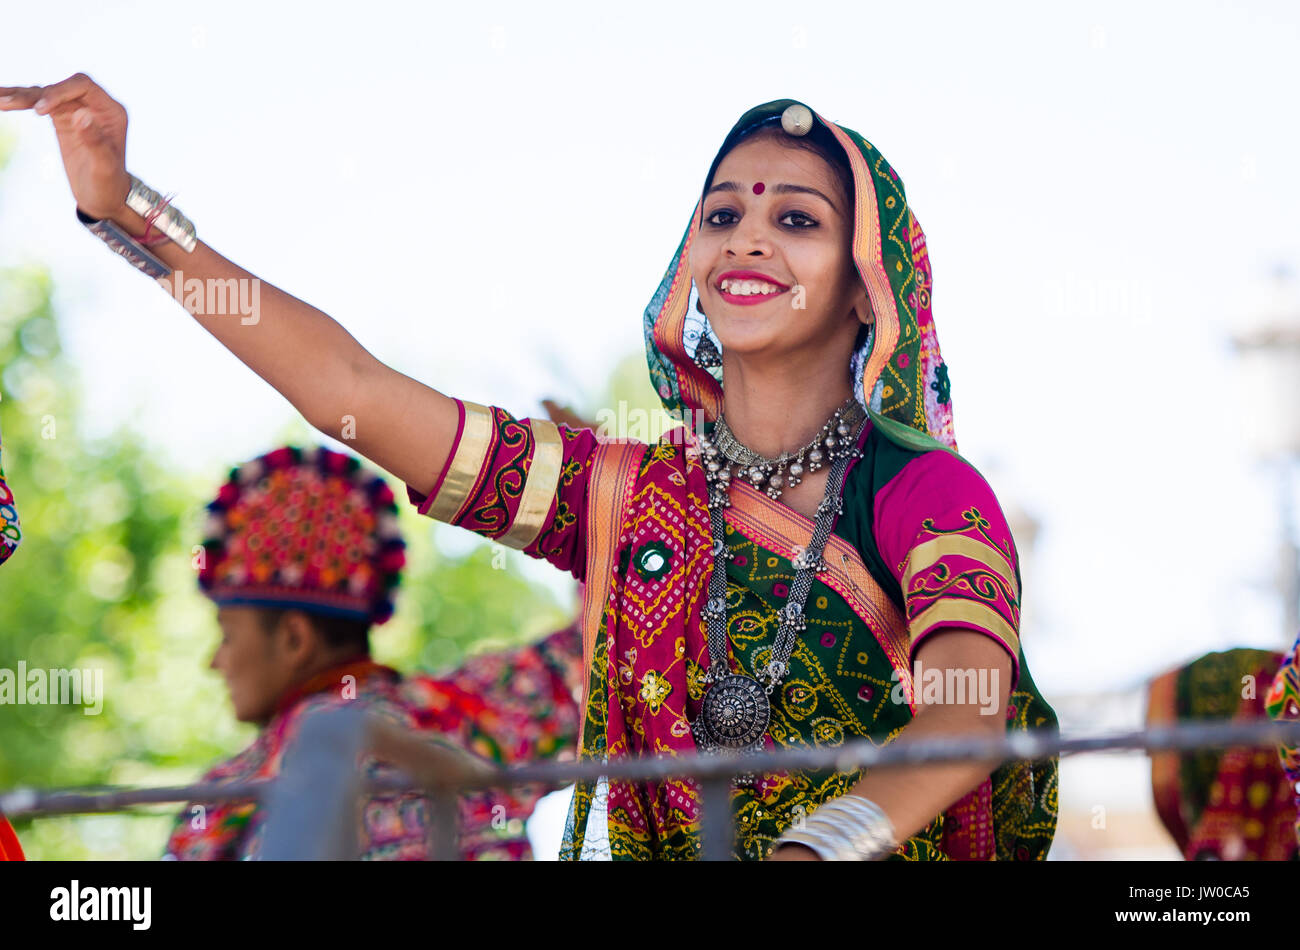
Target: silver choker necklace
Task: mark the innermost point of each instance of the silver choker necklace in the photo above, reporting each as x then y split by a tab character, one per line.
773	475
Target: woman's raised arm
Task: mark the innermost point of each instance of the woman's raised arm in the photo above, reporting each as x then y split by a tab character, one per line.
340	388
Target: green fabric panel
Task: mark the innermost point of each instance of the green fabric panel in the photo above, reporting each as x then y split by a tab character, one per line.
882	459
838	688
888	448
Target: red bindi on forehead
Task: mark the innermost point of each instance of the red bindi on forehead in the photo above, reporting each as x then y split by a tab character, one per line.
758	187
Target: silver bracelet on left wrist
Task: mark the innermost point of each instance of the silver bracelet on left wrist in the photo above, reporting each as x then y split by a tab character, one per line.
159	214
123	243
144	201
847	828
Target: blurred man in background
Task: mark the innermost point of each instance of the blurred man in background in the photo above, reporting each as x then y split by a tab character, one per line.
302	558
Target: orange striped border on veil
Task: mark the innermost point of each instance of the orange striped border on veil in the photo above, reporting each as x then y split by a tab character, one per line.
868	254
614	467
782	529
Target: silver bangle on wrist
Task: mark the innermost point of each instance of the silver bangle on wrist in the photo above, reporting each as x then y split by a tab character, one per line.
848	828
168	221
143	200
123	243
823	845
873	836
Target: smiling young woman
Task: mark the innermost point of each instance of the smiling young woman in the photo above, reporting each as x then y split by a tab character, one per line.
766	581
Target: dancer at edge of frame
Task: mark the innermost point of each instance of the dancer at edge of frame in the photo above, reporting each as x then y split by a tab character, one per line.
10	533
1231	804
1283	702
774	574
10	850
303	557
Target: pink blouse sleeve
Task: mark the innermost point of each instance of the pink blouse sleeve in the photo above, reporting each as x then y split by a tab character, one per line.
941	532
522	482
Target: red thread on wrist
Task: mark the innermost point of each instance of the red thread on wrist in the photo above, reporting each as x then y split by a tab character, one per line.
154	212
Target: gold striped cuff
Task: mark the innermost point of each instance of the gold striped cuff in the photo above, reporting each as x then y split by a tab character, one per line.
948	609
539	488
471	453
927	554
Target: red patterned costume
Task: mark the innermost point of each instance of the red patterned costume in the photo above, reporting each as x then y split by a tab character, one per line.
1232	804
10	849
509	707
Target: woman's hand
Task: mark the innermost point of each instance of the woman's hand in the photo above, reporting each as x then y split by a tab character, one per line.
400	424
91	128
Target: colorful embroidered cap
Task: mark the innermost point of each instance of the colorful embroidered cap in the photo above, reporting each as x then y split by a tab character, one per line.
309	529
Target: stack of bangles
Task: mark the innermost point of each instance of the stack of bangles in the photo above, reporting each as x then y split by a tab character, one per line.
163	222
848	828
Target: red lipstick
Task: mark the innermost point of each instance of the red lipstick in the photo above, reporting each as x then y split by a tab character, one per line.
748	299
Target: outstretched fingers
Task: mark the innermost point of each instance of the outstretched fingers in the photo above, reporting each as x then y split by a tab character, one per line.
91	129
44	100
61	93
19	97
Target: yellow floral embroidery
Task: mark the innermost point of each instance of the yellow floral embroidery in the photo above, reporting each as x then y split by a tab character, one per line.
564	517
654	690
694	679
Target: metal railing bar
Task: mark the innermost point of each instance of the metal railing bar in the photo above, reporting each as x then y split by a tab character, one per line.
24	802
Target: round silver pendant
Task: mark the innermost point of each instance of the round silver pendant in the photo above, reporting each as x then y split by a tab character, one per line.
736	711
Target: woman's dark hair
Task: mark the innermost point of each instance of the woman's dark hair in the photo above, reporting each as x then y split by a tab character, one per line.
819	140
337	632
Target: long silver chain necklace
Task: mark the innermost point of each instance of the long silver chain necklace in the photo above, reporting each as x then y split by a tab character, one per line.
736	708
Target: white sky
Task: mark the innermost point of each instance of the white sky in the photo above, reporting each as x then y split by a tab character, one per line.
487	196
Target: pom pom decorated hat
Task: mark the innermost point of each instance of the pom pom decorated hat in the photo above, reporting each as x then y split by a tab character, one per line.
307	529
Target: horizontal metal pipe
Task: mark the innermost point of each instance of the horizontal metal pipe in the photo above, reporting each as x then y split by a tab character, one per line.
21	803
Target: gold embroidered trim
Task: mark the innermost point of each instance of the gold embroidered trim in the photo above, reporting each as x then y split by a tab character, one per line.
925	555
471	453
968	611
539	488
